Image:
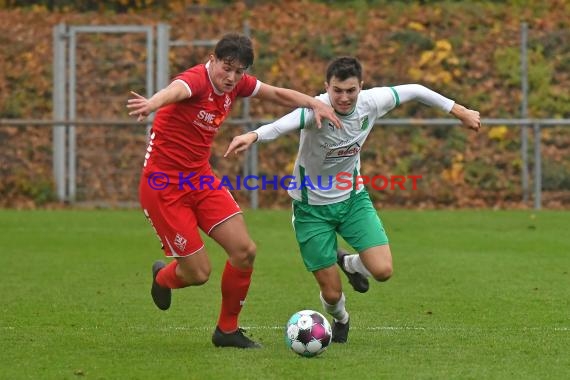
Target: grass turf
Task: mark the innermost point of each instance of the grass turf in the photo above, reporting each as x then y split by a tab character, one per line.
475	294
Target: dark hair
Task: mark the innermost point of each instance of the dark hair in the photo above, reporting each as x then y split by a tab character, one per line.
234	46
343	68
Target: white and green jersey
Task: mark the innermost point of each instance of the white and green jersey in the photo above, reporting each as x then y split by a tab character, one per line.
328	160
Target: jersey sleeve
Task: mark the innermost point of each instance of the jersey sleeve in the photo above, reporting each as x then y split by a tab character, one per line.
407	92
288	123
193	80
248	86
382	99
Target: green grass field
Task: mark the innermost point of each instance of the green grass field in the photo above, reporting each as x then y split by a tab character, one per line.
475	295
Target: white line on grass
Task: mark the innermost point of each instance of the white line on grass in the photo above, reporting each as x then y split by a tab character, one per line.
369	328
373	328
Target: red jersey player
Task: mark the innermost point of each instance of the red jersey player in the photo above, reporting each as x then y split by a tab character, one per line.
190	112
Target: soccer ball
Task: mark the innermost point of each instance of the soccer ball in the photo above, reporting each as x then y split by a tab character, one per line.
308	333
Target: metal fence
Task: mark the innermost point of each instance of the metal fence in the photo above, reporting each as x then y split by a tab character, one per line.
92	154
106	184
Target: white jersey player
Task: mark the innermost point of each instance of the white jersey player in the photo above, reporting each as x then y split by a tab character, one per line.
322	203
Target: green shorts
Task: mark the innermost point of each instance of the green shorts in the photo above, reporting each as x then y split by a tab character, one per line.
354	219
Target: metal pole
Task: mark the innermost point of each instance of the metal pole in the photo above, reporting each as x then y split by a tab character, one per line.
72	110
149	70
162	61
524	110
162	51
537	169
252	156
511	123
58	131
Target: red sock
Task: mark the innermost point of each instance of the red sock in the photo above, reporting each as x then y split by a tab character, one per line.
235	284
167	277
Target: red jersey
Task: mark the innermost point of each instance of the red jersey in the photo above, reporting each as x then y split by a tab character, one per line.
182	132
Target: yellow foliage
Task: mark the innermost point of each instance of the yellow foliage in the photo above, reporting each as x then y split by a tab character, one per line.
443	45
432	64
498	133
445	77
415	74
455	173
441	55
416	26
425	58
36	8
437	77
453	60
275	69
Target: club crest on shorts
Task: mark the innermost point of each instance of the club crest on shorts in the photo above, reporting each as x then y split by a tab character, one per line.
180	241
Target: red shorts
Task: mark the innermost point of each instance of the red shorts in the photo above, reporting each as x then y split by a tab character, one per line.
176	212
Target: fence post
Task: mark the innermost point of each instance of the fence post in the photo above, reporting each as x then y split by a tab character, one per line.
537	169
251	157
72	115
162	51
58	99
162	62
150	72
524	110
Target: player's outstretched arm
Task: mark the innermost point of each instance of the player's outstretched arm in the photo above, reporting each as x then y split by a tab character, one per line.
286	124
407	92
291	98
141	107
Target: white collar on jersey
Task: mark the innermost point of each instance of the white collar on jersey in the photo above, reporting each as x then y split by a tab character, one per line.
210	78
